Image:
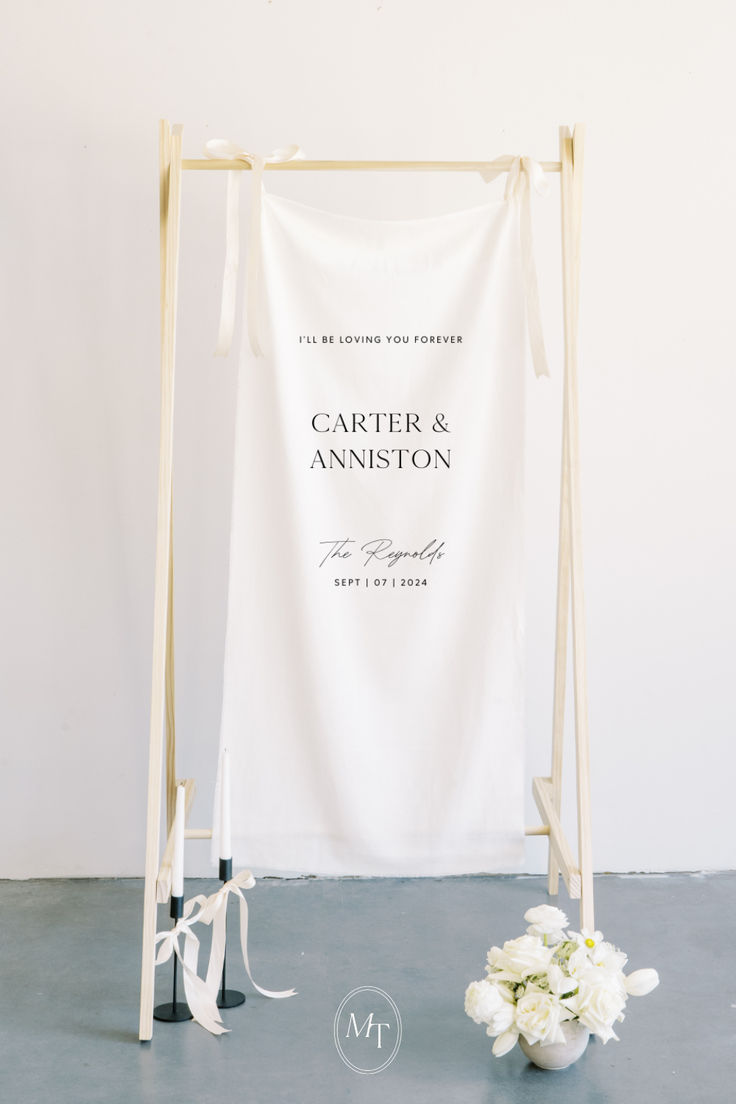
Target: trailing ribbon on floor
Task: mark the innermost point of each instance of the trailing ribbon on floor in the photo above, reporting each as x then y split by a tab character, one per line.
214	911
224	149
526	173
201	998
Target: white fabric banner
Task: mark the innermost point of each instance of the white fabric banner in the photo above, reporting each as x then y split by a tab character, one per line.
373	682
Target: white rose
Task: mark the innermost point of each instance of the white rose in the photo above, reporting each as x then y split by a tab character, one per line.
489	1004
496	959
598	1003
546	920
538	1016
525	955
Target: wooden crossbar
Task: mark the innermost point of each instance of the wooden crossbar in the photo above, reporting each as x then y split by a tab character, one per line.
501	164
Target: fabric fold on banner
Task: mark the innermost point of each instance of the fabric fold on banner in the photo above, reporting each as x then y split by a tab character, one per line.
373	682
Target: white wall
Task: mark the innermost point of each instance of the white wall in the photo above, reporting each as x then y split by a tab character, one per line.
84	86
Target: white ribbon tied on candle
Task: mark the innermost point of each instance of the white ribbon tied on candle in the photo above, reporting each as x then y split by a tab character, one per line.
524	175
224	149
215	912
201	998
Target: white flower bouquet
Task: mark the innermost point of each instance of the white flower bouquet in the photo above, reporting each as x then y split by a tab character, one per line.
538	981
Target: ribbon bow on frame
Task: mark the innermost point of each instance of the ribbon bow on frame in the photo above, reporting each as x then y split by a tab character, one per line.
214	912
524	175
201	998
224	149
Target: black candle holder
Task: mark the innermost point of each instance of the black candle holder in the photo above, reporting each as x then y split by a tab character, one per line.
227	998
174	1011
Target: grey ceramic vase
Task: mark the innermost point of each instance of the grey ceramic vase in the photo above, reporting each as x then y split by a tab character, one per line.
558	1056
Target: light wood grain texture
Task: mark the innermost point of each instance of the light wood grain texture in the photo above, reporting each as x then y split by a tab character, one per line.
563	590
170	174
504	163
170	692
163	880
542	791
164	160
571	156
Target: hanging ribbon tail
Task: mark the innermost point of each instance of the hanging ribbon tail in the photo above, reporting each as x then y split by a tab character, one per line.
524	175
217	947
216	914
254	270
225	150
276	994
202	1003
226	327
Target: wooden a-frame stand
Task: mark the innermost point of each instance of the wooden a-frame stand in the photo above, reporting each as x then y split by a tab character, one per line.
577	875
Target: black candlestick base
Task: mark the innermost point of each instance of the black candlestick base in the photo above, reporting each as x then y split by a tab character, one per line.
172	1013
230	998
227	998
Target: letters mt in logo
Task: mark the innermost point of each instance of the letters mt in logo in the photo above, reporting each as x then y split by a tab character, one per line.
367	1030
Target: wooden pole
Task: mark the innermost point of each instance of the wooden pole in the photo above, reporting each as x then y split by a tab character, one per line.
164	160
170	191
571	156
562	622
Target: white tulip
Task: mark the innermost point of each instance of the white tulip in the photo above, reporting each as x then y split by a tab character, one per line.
641	982
506	1042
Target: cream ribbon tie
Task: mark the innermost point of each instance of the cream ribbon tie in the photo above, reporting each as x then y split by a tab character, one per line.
224	149
524	176
214	912
201	998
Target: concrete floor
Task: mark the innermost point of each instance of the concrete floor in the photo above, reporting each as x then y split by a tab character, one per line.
69	975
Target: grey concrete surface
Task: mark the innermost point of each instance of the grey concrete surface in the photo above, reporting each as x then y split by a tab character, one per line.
69	977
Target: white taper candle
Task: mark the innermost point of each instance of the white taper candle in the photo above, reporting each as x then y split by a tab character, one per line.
226	843
177	869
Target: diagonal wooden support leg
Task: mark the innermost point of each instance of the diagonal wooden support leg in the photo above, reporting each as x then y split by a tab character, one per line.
571	157
170	199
